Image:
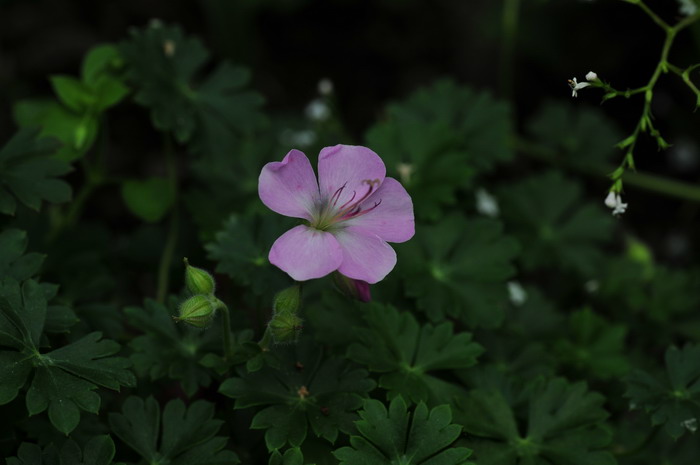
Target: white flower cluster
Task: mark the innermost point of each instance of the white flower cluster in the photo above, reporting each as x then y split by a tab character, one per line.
576	86
614	201
687	7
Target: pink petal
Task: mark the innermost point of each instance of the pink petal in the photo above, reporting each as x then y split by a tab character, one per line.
350	166
289	187
392	220
306	253
367	258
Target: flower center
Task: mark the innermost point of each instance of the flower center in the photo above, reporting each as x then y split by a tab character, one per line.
330	213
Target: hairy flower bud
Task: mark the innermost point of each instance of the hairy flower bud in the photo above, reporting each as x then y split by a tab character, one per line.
287	300
285	327
198	281
197	311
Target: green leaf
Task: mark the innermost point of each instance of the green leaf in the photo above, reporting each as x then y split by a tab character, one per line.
100	60
167	349
72	93
408	354
306	390
108	92
183	436
149	199
546	213
162	63
65	378
292	456
76	132
460	267
397	437
13	261
99	450
593	346
562	423
437	139
28	172
674	401
581	136
241	249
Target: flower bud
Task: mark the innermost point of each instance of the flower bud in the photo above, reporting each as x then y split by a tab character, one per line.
287	300
198	281
285	327
198	311
353	288
591	76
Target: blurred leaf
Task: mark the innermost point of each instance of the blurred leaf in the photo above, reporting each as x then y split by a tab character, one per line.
437	139
398	437
409	354
100	60
306	389
564	424
241	250
184	436
292	456
72	93
673	402
29	174
545	212
64	379
13	261
459	268
163	63
593	346
149	199
99	450
581	136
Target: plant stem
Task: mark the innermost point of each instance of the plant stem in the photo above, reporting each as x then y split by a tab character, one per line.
166	258
228	345
650	182
509	24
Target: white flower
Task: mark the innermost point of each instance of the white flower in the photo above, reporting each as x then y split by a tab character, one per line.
317	110
687	7
691	424
576	86
325	87
614	201
486	204
405	171
591	76
517	294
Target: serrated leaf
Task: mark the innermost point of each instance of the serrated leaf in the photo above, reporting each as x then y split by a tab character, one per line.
306	390
397	437
13	261
184	435
29	173
562	423
149	199
437	139
99	450
674	401
546	212
459	268
409	354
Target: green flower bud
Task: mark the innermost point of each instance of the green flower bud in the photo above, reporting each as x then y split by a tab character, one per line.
198	281
287	300
198	310
285	327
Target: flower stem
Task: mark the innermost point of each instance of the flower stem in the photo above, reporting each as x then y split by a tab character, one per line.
228	345
509	24
166	258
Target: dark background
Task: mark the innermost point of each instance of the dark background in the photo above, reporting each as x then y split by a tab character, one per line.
379	51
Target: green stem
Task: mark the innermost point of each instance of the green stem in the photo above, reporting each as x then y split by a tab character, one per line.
166	257
509	24
650	182
663	24
228	344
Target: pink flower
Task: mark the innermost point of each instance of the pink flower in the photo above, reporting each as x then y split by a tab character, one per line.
352	212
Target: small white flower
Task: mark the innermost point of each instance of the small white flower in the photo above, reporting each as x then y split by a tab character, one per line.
486	204
517	294
592	286
614	201
687	7
691	424
405	171
576	86
325	87
317	110
303	138
591	76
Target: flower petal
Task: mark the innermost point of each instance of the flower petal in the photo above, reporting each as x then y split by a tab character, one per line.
289	187
351	166
392	219
367	258
306	253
